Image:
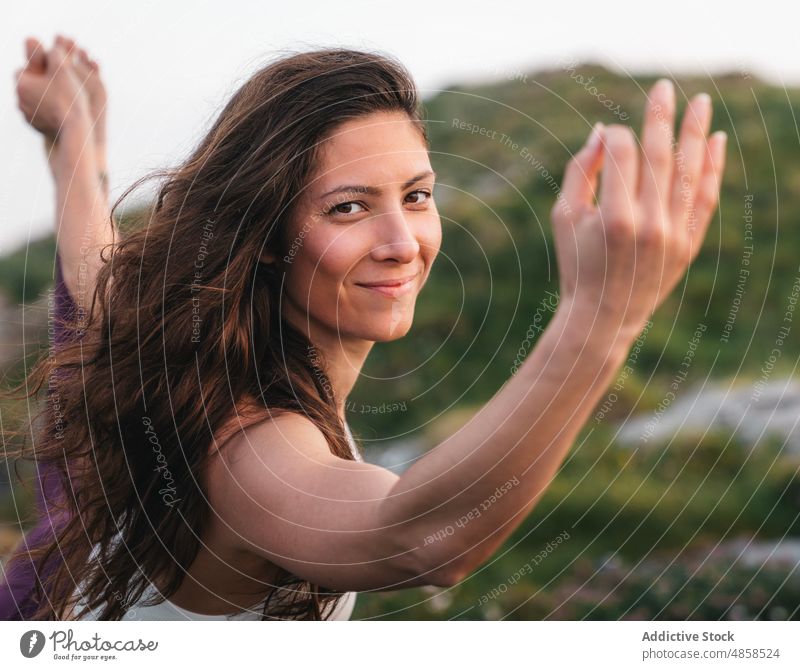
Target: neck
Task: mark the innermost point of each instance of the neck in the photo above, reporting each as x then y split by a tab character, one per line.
344	356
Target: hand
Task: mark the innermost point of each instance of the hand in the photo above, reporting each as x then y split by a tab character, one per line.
619	260
49	91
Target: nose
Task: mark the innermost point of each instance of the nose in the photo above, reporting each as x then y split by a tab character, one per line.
394	238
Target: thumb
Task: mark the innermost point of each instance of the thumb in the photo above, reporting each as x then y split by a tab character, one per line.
34	51
580	175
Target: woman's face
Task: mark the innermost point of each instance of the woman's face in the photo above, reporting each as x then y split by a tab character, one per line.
367	216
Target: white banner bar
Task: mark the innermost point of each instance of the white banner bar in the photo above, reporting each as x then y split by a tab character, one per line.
351	645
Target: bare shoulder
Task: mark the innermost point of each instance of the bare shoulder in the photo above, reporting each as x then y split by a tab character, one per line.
276	484
282	434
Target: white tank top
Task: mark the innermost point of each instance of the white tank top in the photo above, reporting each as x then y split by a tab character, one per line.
168	611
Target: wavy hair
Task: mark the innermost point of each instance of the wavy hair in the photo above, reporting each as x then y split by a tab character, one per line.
173	351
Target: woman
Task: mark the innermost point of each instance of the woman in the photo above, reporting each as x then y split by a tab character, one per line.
203	393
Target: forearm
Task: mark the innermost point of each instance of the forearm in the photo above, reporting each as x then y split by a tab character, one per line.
447	503
82	212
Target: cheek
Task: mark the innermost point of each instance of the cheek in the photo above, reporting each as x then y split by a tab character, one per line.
323	263
431	239
336	252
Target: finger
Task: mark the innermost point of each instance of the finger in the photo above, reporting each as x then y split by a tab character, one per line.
66	43
64	48
690	157
655	174
709	185
580	175
81	64
35	53
619	177
57	58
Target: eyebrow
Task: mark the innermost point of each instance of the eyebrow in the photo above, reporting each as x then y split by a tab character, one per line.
374	190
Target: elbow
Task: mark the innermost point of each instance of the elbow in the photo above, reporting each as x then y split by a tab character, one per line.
426	567
439	568
448	575
443	563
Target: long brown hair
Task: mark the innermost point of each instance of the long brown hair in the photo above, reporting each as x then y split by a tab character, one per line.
171	351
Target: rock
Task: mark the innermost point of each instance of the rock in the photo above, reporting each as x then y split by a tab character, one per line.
751	412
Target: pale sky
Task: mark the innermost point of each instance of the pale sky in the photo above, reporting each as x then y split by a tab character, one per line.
169	66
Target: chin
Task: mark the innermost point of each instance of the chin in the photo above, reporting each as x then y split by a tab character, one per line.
394	335
393	325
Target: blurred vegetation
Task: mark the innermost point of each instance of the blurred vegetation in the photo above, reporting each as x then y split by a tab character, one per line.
489	284
26	273
642	527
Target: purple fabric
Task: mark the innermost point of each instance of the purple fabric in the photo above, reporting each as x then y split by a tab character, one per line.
20	577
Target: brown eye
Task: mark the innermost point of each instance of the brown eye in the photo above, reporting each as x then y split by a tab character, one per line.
336	208
420	201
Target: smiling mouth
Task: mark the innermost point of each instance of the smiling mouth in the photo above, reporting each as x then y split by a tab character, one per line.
392	289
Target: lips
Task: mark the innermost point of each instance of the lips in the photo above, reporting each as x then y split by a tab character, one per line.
392	288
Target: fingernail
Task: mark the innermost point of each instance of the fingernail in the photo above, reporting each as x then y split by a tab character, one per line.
703	100
666	90
666	84
594	136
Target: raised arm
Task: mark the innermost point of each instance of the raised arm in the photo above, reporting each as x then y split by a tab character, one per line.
345	525
61	96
